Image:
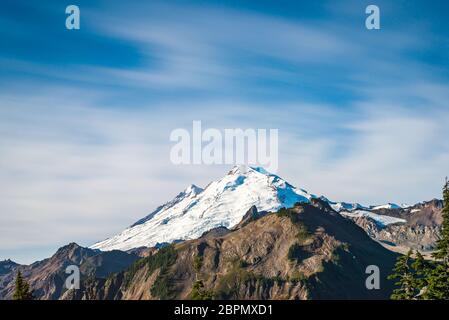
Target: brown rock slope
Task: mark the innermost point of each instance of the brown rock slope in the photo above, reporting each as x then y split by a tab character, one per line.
420	232
47	277
308	252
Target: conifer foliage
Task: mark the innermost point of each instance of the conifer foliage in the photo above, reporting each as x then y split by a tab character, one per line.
421	279
22	289
442	248
405	278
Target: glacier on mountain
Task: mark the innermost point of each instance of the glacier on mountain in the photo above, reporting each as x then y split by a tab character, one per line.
381	220
221	203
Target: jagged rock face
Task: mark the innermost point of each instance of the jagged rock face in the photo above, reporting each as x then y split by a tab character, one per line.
47	277
420	231
142	251
251	215
308	252
7	269
7	266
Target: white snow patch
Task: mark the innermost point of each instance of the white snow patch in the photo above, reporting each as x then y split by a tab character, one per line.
382	220
221	203
390	206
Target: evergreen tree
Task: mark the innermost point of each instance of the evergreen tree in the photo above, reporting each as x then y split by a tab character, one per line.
425	279
22	289
442	247
405	279
438	276
421	269
438	282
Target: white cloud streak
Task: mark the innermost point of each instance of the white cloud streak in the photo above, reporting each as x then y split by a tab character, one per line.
73	168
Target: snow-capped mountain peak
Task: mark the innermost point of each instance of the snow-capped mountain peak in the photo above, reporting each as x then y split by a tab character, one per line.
343	206
192	190
222	203
389	206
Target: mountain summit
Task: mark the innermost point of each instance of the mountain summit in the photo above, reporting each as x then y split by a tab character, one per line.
222	203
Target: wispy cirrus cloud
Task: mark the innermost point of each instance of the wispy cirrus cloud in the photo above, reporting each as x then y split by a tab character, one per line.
84	138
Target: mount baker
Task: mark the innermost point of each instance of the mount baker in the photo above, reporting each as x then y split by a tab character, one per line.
223	203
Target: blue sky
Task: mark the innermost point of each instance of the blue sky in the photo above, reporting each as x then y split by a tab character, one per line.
85	115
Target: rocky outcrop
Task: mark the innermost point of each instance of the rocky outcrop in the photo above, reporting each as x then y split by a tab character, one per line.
420	231
47	277
6	266
251	215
